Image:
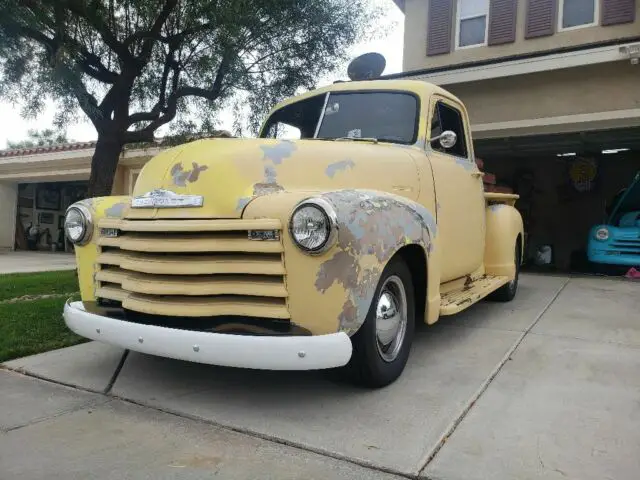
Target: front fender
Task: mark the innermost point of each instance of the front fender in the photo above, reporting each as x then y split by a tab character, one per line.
504	225
87	255
333	291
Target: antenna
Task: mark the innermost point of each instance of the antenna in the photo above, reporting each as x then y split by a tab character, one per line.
366	67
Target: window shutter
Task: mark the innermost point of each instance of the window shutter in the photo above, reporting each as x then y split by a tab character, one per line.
541	18
502	21
615	12
439	27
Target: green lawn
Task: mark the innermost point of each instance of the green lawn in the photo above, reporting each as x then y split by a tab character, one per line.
41	283
35	325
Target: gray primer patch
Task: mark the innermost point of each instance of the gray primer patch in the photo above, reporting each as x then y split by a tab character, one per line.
278	152
336	167
370	223
466	164
181	177
116	210
496	206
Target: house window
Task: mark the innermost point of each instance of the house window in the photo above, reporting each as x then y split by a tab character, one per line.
472	23
577	13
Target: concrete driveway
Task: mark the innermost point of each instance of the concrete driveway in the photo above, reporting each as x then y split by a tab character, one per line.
544	387
15	262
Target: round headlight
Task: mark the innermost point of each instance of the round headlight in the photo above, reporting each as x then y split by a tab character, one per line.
77	225
602	234
313	225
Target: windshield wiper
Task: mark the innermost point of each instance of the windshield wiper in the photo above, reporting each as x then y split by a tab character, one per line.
361	139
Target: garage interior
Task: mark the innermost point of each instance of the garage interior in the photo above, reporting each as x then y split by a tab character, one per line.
41	209
565	182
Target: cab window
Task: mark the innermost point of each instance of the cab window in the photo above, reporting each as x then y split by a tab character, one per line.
446	118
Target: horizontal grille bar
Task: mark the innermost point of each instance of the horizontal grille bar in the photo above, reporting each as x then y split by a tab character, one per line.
257	264
251	285
198	306
190	225
180	243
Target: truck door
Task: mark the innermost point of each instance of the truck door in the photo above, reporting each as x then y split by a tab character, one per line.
459	191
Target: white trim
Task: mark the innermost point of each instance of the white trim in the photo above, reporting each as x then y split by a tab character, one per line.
471	17
246	351
560	124
556	61
596	17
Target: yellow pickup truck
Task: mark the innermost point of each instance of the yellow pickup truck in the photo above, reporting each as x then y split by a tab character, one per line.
358	212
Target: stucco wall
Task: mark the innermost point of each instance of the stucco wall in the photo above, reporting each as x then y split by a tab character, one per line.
583	90
415	39
8	205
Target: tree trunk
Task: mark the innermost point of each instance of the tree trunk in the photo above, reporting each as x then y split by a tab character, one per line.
103	165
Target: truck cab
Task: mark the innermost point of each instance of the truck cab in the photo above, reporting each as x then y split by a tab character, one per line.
358	212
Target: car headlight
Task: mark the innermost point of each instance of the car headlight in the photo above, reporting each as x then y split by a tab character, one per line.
77	224
313	225
602	234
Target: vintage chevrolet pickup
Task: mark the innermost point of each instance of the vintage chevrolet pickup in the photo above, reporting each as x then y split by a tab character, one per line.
315	252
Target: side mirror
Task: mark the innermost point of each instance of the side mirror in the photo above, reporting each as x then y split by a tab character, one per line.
447	139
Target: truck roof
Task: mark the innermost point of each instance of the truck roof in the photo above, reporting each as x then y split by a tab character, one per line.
419	87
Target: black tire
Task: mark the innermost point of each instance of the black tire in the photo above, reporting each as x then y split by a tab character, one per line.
367	366
508	292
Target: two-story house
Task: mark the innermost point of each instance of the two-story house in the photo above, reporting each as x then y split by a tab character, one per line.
553	93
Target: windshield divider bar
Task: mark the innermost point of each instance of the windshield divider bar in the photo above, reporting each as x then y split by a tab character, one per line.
324	109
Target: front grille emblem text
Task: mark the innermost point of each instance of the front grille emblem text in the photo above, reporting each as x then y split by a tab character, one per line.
160	198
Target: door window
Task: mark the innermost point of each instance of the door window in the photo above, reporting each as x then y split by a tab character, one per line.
446	118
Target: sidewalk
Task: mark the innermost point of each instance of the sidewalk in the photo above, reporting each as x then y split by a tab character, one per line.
19	261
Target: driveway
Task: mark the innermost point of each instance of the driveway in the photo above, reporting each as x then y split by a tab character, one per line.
544	387
19	261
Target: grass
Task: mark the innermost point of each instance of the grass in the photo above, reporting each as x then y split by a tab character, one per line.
41	283
34	325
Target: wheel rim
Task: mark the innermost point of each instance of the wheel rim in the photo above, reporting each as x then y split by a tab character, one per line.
391	318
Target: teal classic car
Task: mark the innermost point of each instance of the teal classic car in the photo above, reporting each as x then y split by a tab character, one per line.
617	241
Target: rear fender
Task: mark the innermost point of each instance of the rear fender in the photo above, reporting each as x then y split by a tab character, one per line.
504	225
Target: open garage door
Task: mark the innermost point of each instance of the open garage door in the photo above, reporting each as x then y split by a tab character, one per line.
567	183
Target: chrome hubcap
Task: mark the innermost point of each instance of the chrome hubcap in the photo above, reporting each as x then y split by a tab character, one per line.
391	318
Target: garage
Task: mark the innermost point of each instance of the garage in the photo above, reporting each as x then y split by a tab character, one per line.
566	183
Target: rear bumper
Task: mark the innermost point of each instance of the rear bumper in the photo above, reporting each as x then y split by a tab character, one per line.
257	352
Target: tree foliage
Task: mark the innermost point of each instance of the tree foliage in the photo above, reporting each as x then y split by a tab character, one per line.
132	66
40	138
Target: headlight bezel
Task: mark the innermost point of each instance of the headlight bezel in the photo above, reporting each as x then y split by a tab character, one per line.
604	237
87	234
331	217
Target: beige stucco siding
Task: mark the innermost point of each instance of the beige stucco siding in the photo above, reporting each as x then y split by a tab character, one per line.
8	205
573	91
415	39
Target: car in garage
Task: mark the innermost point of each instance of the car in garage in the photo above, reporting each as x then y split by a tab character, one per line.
617	240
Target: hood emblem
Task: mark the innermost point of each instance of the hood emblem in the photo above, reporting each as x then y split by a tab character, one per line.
160	198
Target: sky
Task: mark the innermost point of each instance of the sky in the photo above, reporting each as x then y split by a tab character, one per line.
13	127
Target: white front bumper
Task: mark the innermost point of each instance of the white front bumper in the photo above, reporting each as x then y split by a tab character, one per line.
259	352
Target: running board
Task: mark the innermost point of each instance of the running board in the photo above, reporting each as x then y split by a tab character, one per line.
459	299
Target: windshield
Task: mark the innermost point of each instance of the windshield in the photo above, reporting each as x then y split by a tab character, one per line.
384	116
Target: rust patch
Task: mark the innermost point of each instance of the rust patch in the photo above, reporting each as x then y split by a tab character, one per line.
181	177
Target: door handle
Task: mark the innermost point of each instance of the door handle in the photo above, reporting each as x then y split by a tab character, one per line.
477	174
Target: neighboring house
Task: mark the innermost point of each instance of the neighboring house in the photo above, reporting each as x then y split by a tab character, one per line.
552	88
38	184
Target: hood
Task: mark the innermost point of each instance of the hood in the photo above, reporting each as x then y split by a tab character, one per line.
629	201
229	173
